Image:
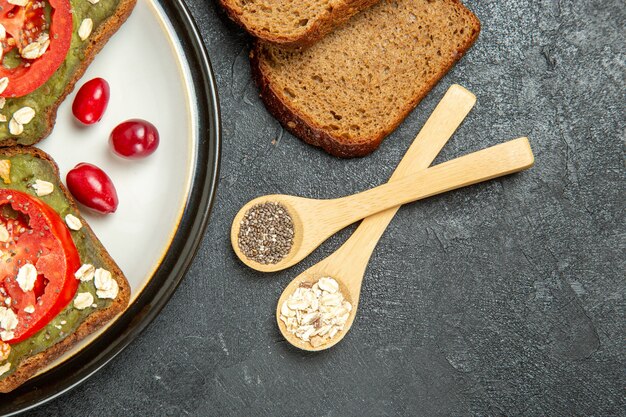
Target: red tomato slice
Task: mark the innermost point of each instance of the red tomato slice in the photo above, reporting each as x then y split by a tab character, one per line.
37	235
23	25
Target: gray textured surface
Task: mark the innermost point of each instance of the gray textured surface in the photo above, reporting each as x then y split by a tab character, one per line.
504	299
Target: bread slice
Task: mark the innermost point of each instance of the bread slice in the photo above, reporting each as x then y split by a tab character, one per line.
64	79
36	164
351	89
292	23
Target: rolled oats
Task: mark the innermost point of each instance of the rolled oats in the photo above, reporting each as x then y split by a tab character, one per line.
43	188
4	233
15	128
4	83
106	286
5	351
315	313
5	368
37	48
85	272
86	26
24	115
26	277
73	222
83	300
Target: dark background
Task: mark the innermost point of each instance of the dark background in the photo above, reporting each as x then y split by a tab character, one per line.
506	298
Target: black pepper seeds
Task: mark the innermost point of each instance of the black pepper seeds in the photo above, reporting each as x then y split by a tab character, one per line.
266	233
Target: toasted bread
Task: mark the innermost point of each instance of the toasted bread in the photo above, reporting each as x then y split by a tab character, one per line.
38	165
351	89
292	23
64	79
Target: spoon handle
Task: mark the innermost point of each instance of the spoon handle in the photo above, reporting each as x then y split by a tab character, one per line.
438	129
496	161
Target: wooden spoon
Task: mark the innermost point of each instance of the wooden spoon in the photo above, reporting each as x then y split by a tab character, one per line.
317	220
438	129
347	265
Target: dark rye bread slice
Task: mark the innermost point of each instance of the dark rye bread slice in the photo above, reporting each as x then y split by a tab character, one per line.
292	23
43	123
351	89
92	252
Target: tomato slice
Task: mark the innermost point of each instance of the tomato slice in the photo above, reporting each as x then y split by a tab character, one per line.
37	236
25	25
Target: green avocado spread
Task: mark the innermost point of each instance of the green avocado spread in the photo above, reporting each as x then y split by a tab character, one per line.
25	169
43	99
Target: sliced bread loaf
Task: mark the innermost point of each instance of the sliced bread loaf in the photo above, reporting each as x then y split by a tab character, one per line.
351	89
292	23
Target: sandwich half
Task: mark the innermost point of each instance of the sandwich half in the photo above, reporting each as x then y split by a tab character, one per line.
58	284
47	46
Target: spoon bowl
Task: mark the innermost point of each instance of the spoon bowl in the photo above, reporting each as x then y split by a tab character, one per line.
347	286
292	205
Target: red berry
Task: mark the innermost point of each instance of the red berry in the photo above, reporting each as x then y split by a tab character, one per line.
134	139
91	101
92	187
